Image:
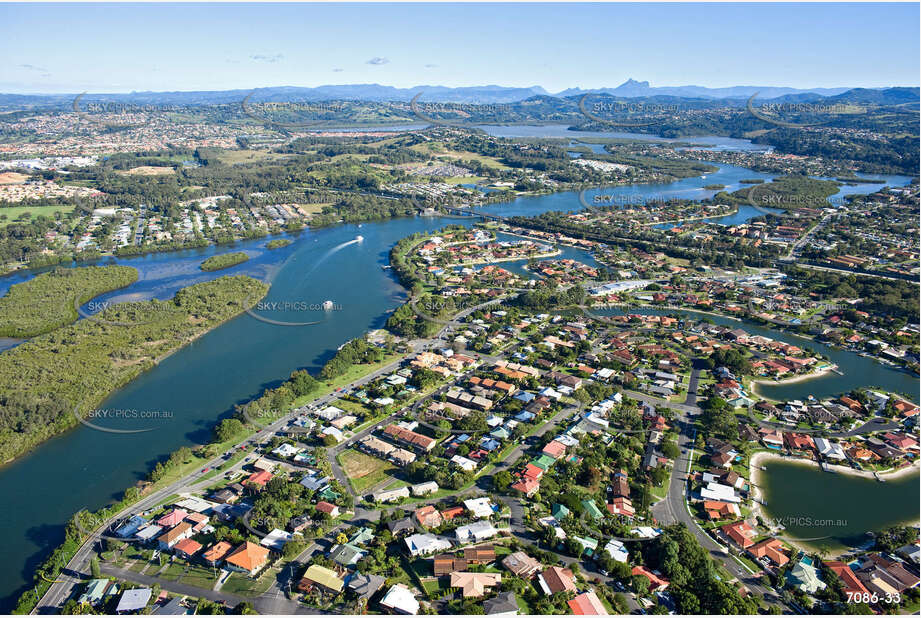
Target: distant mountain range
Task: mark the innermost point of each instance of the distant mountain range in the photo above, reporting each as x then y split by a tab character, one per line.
480	95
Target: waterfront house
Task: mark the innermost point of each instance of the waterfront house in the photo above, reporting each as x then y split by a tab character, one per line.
852	584
806	577
771	549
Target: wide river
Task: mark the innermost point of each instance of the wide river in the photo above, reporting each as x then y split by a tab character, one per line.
194	387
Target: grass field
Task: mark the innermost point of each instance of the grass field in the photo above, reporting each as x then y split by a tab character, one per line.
15	212
363	470
230	157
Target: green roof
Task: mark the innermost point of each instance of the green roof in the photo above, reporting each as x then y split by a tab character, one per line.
544	462
328	494
362	536
346	555
560	511
592	509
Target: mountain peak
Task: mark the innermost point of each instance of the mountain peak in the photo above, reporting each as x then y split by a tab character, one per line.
633	83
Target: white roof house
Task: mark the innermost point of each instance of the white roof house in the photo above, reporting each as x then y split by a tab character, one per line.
329	413
718	491
831	450
480	507
616	550
401	600
335	433
286	450
133	600
276	539
475	532
467	465
421	544
424	488
149	532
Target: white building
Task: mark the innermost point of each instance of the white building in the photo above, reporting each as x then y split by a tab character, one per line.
399	599
479	507
475	532
422	544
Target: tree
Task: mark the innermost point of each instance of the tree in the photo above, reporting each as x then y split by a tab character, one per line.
670	450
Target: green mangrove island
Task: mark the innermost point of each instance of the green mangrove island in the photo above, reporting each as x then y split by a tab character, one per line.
50	300
74	368
225	260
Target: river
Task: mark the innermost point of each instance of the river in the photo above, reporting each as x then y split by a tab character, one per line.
830	510
191	389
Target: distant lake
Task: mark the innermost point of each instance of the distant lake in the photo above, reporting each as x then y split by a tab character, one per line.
812	503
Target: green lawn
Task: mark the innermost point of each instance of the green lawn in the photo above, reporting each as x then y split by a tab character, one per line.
14	212
247	587
200	577
364	471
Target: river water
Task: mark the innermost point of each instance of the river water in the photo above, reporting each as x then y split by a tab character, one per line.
200	383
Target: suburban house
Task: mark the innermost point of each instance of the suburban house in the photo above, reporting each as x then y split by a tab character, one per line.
587	604
171	537
422	544
739	533
556	579
400	600
474	584
475	532
503	604
521	564
217	552
656	582
330	509
248	558
428	516
321	578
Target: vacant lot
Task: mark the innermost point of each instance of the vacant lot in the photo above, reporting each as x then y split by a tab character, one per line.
363	470
147	170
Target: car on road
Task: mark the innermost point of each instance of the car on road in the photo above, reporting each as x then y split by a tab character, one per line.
205	470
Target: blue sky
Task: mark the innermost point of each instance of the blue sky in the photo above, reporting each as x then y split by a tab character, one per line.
125	47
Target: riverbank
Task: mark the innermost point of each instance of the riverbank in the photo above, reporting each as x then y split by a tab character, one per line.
794	380
758	458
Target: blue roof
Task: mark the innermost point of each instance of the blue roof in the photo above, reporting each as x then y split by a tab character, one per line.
525	396
131	526
524	416
489	445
